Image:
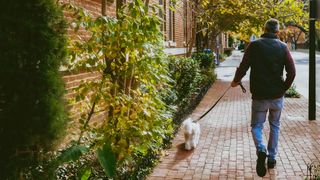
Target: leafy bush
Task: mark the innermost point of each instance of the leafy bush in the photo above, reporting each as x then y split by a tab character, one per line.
189	85
231	41
205	59
228	51
33	46
241	45
183	71
222	57
292	92
128	54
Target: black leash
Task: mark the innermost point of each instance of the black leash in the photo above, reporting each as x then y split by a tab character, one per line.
242	88
203	115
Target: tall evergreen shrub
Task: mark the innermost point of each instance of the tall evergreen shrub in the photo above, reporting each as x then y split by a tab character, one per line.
32	48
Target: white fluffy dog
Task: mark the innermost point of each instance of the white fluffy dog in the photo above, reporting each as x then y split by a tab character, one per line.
191	133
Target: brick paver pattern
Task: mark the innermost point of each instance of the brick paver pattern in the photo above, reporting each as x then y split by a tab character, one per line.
226	149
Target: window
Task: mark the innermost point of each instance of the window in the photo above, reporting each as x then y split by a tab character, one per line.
185	20
171	23
162	13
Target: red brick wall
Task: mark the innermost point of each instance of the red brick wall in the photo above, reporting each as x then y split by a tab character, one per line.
95	6
72	80
178	26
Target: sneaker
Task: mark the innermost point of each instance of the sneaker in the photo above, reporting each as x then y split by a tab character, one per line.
271	163
261	168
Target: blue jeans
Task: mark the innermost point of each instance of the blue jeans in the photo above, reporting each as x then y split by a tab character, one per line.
259	113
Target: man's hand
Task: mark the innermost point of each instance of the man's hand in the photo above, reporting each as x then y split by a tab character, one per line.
234	84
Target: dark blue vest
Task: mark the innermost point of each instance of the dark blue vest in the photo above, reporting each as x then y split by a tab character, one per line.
267	58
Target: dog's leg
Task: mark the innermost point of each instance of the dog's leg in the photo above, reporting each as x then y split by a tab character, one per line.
194	140
196	136
187	141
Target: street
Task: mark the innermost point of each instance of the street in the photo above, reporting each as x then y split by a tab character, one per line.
227	69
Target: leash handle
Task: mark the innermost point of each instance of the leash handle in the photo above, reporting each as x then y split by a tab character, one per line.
242	88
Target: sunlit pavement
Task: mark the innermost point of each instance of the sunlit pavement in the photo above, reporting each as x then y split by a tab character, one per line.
226	149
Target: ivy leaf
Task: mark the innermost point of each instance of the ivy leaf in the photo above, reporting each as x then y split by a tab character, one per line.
107	159
86	174
73	153
143	148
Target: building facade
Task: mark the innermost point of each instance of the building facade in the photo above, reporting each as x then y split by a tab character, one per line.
176	26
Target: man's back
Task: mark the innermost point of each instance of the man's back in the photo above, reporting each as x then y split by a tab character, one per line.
267	59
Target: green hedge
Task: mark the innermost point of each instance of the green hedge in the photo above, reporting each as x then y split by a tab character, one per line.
190	82
31	108
205	59
292	92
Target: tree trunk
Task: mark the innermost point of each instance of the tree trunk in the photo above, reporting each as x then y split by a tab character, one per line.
296	41
191	42
119	4
147	3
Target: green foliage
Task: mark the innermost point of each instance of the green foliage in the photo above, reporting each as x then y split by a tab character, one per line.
241	46
247	17
107	159
86	174
292	92
222	57
135	77
228	51
184	72
33	47
318	36
143	165
231	41
206	59
190	82
128	53
72	153
287	11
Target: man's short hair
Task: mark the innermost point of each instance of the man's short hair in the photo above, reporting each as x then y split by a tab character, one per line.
272	26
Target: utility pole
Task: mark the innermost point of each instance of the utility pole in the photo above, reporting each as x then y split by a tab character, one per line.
313	17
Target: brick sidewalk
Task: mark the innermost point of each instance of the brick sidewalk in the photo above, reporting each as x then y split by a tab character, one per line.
226	149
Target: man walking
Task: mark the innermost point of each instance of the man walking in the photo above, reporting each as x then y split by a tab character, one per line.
267	57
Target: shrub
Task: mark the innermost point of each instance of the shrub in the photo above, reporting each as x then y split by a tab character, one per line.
190	82
228	51
231	41
127	52
31	108
222	57
241	45
183	71
205	59
292	92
